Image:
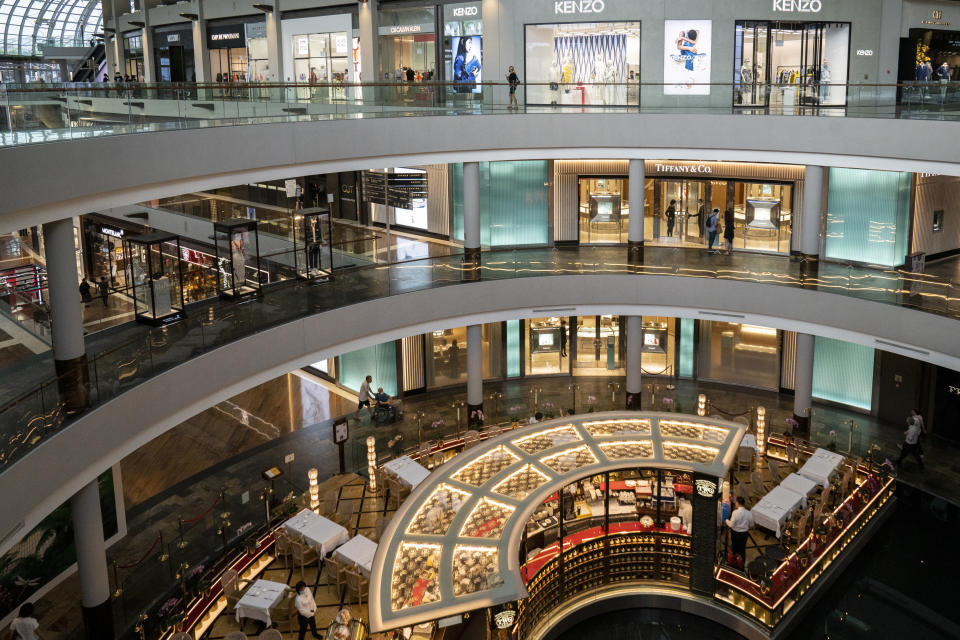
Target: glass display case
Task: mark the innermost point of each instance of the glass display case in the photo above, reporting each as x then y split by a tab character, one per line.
238	258
156	277
313	232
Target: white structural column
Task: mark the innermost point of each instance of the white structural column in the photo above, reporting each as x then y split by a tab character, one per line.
274	45
803	382
471	211
149	68
634	361
66	313
368	23
201	52
474	375
637	178
812	211
92	562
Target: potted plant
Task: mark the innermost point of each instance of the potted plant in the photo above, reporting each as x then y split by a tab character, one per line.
514	412
192	579
548	410
590	401
168	615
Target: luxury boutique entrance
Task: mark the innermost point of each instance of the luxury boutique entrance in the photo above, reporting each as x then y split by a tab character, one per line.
790	63
604	210
598	345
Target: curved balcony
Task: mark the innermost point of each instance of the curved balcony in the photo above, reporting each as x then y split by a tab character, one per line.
175	153
220	350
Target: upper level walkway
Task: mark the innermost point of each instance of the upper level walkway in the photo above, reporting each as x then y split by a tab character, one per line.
186	143
223	348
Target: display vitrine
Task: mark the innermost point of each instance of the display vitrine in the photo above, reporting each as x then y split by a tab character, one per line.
312	241
156	277
238	258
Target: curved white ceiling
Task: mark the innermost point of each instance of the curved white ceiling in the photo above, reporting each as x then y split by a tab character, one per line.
107	434
461	527
138	167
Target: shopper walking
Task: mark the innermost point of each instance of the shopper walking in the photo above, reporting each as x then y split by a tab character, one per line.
728	228
514	81
740	522
671	215
711	227
24	626
911	442
306	611
104	288
84	290
364	397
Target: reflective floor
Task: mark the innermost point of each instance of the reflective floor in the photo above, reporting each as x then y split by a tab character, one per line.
647	624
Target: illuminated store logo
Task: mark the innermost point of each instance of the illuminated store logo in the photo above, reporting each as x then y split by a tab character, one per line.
706	488
797	6
405	28
225	36
692	168
460	12
110	231
504	619
173	37
953	390
578	6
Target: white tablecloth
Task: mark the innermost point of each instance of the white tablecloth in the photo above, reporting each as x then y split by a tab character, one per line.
799	484
259	600
320	533
359	552
821	466
407	470
774	508
749	440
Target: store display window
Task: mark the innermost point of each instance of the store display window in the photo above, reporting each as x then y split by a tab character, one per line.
238	258
599	348
156	277
513	202
739	354
582	64
320	57
133	54
105	254
447	355
791	63
547	345
407	41
659	345
257	58
173	53
378	361
228	52
604	210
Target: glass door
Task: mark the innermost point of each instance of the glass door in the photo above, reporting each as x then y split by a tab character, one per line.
598	346
750	64
810	58
682	224
603	216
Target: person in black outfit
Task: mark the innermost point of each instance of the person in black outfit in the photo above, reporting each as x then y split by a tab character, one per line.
104	290
410	74
514	81
84	290
701	216
563	339
728	228
671	215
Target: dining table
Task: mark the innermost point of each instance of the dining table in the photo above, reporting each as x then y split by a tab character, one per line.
774	508
259	600
821	466
799	484
322	534
358	552
407	470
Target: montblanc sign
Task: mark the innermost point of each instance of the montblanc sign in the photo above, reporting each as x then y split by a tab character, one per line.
684	168
567	7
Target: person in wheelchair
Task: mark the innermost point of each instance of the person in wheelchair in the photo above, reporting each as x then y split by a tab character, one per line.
387	409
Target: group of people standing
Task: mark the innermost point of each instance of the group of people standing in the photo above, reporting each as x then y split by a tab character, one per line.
706	222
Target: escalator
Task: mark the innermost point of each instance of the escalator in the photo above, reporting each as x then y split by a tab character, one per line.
89	68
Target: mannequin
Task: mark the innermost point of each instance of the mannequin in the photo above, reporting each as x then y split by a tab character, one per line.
554	77
567	74
824	82
597	77
238	256
746	73
611	88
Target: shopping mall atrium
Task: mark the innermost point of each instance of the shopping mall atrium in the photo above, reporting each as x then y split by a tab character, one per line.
503	319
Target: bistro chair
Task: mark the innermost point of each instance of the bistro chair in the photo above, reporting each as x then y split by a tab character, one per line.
792	457
745	458
756	483
330	499
230	583
741	491
236	635
181	635
379	527
344	515
270	634
302	554
356	583
774	469
333	570
282	546
284	614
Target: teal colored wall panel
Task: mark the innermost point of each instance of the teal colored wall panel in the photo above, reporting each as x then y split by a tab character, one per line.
379	361
513	348
843	372
686	347
513	203
868	216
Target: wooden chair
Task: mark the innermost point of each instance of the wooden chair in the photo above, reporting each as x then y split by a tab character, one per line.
846	483
792	456
825	497
333	570
282	546
745	458
270	634
284	615
231	584
344	515
355	583
302	554
756	483
181	635
379	527
774	468
330	500
741	491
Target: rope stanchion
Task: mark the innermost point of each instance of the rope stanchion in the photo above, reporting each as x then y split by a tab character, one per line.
730	414
202	515
156	541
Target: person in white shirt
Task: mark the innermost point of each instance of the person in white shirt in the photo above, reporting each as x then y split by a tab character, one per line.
364	396
740	522
911	442
24	626
306	610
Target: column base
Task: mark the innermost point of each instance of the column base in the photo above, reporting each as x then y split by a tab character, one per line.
635	252
98	621
475	415
633	401
72	378
471	264
809	266
803	426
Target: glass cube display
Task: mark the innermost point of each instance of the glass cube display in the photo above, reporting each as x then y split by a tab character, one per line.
156	278
238	258
435	514
312	243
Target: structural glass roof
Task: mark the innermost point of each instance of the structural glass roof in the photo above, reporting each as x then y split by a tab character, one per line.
28	25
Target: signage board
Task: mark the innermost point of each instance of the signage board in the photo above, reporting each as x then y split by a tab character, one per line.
232	36
394	189
687	57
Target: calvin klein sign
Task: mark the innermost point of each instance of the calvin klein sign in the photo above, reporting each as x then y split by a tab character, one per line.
566	7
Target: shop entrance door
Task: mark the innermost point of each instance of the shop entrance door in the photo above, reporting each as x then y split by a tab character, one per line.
750	72
603	210
687	225
598	346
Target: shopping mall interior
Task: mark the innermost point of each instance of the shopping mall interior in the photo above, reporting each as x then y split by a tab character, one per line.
477	320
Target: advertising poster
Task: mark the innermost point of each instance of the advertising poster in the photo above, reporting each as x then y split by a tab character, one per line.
465	63
686	59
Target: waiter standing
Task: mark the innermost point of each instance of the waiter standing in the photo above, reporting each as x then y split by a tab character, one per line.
740	523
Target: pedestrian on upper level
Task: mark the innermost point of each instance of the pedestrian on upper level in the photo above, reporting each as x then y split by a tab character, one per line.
711	227
911	442
364	396
104	289
671	215
85	290
729	225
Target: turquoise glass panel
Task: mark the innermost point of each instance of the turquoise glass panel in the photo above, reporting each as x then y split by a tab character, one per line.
513	203
513	348
843	372
686	347
868	216
379	361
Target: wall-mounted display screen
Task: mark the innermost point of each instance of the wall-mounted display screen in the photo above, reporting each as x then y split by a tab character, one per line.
466	64
686	57
545	339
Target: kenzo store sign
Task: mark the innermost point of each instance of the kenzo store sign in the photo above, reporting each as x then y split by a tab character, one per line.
564	7
797	6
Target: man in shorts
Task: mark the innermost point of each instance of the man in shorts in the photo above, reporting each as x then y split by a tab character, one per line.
364	397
